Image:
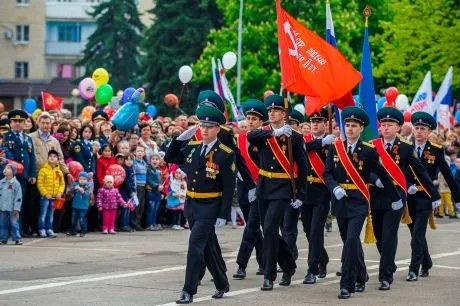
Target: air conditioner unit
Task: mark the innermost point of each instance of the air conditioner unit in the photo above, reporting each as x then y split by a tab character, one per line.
8	35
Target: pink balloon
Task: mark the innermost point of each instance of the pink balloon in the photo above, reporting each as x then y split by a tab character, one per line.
87	88
268	93
118	174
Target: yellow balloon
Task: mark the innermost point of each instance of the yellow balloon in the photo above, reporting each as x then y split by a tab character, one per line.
100	76
36	113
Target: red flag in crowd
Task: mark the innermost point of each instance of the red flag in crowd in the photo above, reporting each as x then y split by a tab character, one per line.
51	102
312	67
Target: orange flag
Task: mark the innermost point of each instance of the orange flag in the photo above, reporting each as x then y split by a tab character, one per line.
50	101
312	67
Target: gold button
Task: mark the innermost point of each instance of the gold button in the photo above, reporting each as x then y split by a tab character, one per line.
194	181
193	189
271	168
347	180
196	172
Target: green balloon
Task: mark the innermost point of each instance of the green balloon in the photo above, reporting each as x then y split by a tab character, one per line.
104	94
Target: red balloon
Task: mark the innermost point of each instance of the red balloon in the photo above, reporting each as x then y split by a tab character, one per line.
118	174
268	93
109	111
407	116
19	166
391	94
171	100
75	168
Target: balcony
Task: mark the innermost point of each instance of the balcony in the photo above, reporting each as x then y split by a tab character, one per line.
57	48
75	10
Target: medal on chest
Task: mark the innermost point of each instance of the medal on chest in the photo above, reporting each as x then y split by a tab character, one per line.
212	169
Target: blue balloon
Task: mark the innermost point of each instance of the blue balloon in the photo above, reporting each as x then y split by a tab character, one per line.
380	102
135	97
30	105
356	98
457	116
126	116
151	110
127	93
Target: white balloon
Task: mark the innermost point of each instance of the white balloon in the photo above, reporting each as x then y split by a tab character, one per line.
185	74
300	108
229	60
402	102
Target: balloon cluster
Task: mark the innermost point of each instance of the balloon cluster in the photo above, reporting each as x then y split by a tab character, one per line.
394	99
96	87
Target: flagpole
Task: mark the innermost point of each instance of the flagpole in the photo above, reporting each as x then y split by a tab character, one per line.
240	55
289	148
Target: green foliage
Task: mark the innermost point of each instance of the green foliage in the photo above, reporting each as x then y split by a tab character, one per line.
176	38
114	44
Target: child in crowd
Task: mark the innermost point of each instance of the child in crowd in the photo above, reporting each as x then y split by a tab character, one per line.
123	147
103	163
51	185
10	205
446	196
127	190
153	188
81	191
108	200
140	170
120	158
176	198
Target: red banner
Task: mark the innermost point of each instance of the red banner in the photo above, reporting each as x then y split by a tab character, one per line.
51	102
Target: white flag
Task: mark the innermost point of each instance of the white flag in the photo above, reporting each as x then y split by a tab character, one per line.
422	100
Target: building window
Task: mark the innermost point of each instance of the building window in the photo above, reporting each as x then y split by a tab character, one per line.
22	2
22	70
22	33
70	32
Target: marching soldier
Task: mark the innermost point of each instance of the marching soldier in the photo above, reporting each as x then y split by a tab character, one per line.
210	169
316	206
420	204
346	174
256	113
21	147
397	155
274	187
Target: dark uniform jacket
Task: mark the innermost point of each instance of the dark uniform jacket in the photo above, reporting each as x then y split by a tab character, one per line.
318	193
279	188
22	152
213	174
83	153
402	151
365	159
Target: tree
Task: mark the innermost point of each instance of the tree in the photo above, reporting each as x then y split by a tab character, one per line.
114	44
423	35
176	38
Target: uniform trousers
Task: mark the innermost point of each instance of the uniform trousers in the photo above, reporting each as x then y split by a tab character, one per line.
289	230
252	237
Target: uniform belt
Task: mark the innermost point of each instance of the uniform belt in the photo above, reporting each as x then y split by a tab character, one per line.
203	195
277	175
349	186
313	179
419	188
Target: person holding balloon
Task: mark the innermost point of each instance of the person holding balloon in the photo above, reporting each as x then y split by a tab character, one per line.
108	200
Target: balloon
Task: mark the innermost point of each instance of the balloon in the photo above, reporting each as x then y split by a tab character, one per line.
126	116
19	166
30	105
104	94
87	88
36	113
381	102
74	169
268	93
229	60
402	102
138	96
171	100
391	94
457	116
357	101
151	110
100	76
185	74
127	93
407	116
87	112
109	111
300	108
142	91
118	174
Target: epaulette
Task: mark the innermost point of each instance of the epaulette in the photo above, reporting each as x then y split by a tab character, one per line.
225	128
368	144
405	141
194	142
225	148
436	145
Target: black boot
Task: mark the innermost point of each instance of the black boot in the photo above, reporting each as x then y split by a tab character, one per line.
286	279
239	274
220	293
309	279
267	285
185	298
344	294
322	272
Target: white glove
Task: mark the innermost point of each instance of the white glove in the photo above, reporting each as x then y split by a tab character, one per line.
378	183
220	222
339	192
397	205
412	189
457	205
252	195
284	130
188	134
436	182
328	139
296	204
436	203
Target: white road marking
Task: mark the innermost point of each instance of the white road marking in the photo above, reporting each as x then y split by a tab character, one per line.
76	249
446	267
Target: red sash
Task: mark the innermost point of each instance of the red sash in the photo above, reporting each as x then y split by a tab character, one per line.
393	169
198	135
315	161
280	156
350	169
242	141
420	183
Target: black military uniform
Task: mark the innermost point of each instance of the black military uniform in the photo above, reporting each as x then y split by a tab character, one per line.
211	182
351	210
274	193
421	204
21	147
385	218
315	208
252	235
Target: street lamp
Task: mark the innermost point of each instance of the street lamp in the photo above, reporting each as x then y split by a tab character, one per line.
75	93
